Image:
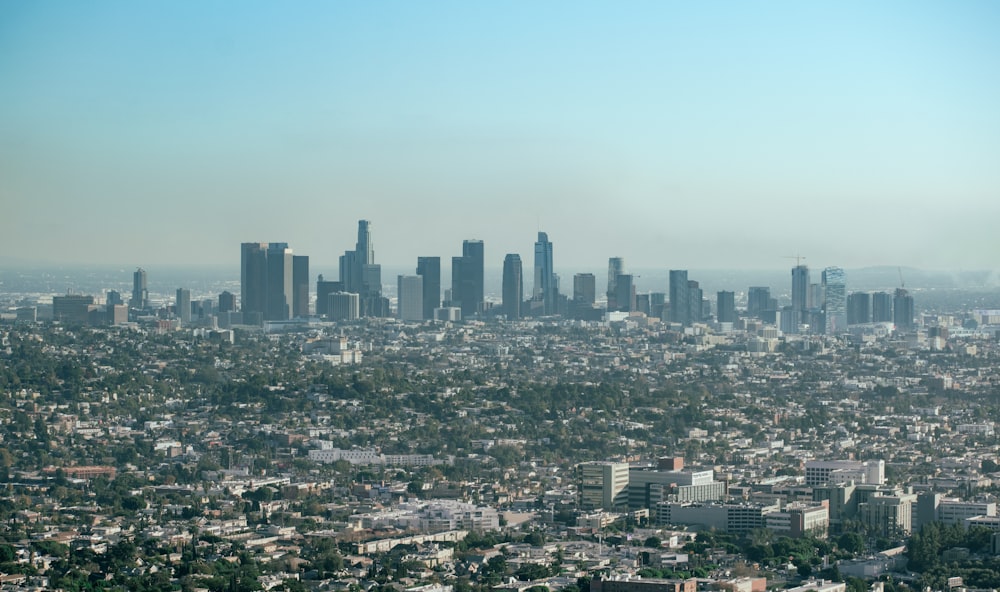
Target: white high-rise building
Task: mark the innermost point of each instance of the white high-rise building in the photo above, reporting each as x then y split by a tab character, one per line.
410	292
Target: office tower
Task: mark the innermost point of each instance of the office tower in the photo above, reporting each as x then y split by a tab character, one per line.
344	306
279	282
410	290
642	303
584	290
300	286
253	277
467	279
227	302
881	307
114	298
429	268
680	297
902	310
758	298
859	308
513	290
604	485
725	305
657	304
834	300
182	305
140	295
616	267
800	291
323	290
696	310
266	271
360	274
544	288
625	293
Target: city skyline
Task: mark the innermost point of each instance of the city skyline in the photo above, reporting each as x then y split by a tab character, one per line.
672	135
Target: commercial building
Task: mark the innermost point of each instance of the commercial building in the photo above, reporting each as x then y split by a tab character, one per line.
604	485
410	293
512	290
429	268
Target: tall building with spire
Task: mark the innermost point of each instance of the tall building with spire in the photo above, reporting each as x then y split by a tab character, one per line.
359	274
513	289
544	290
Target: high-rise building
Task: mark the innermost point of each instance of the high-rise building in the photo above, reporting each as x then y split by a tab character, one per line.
140	294
73	308
323	290
725	306
467	281
881	307
545	290
279	282
800	291
584	290
902	310
360	274
604	485
266	273
513	290
182	305
227	302
300	286
429	268
616	267
758	298
834	300
696	304
680	297
410	290
625	293
114	298
859	308
344	306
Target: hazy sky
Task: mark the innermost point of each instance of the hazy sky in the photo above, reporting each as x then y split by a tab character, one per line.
675	134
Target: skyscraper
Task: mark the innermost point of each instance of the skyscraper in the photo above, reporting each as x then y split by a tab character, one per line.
227	302
616	267
410	290
266	271
725	305
140	295
545	286
696	303
360	274
625	293
513	291
584	290
182	305
902	310
800	291
300	286
253	278
834	300
467	285
881	307
278	305
758	298
429	268
680	297
859	308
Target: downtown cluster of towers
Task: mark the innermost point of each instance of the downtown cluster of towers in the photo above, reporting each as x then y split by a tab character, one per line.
275	287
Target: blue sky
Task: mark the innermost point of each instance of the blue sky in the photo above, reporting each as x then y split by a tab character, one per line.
675	134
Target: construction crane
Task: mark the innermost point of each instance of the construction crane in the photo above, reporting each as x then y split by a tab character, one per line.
798	259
